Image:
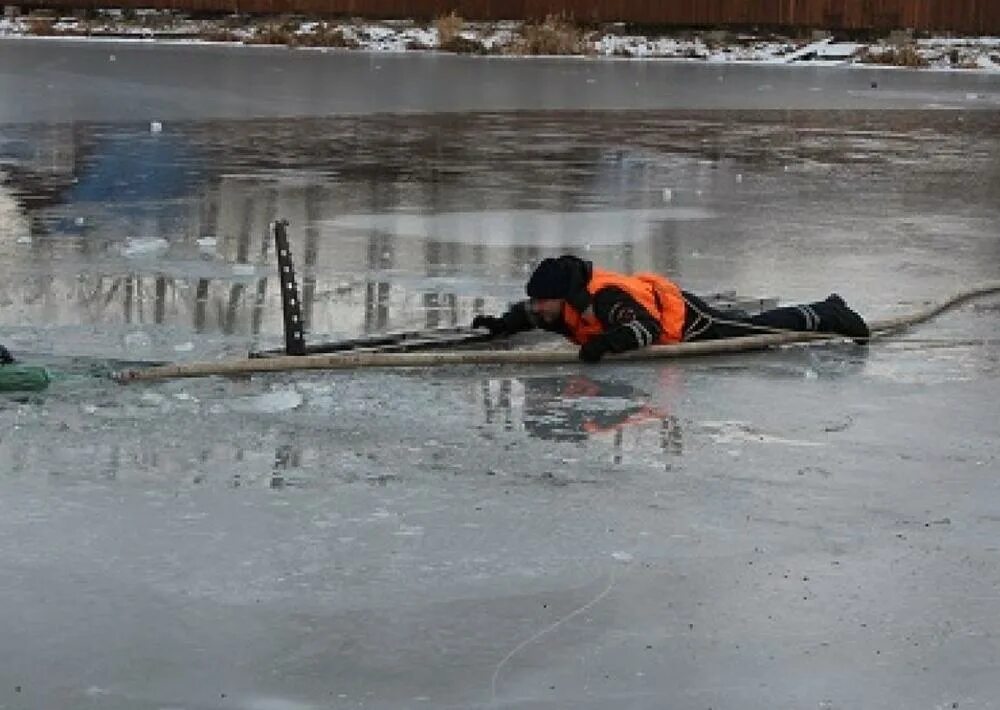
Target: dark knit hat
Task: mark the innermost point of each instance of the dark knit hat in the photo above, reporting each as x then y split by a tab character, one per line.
552	278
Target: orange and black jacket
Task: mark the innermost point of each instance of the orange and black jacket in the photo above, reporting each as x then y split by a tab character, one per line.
628	312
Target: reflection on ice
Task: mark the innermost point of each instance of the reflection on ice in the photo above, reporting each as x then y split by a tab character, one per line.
525	227
579	408
329	430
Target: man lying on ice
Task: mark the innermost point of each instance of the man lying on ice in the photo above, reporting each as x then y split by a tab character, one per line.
608	312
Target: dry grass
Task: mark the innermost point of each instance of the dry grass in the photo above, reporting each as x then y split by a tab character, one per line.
235	22
271	34
450	39
41	26
448	29
555	35
906	56
219	34
158	20
418	45
284	30
464	45
958	61
325	36
718	39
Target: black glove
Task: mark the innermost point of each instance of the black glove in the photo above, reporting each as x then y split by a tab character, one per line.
593	350
491	323
5	357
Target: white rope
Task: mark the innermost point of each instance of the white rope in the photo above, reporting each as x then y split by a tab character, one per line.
547	630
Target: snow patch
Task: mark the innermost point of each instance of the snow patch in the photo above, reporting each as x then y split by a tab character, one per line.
269	403
980	54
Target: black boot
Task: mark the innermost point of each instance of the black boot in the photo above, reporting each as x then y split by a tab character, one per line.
836	317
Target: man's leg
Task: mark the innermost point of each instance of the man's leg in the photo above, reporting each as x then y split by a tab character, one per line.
702	322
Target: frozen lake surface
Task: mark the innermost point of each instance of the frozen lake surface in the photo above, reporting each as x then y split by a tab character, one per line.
805	528
99	80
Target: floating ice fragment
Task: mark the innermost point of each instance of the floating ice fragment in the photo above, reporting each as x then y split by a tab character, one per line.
739	177
244	269
112	58
143	246
79	221
137	341
151	399
971	97
184	347
207	242
409	531
269	403
24	239
668	194
622	556
155	127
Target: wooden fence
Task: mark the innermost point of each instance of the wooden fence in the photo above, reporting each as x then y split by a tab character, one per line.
964	16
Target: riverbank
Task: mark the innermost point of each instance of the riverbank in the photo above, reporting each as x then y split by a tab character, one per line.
554	36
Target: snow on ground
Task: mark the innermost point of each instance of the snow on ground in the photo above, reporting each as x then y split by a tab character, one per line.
965	53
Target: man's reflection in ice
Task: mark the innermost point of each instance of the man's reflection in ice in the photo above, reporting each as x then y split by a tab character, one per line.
578	408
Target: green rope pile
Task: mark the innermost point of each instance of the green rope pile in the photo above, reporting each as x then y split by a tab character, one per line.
23	378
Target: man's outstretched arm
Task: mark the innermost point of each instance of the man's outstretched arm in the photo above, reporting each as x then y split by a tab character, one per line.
518	318
627	325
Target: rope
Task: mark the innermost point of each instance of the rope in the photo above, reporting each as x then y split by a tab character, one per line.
345	361
547	630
